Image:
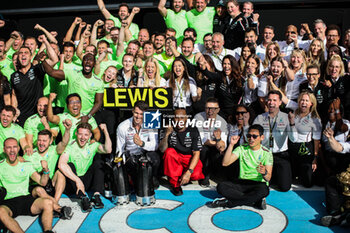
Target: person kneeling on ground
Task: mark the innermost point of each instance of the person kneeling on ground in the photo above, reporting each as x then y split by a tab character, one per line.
83	168
255	162
181	147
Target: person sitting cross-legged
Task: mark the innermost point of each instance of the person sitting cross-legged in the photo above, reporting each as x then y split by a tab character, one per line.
255	162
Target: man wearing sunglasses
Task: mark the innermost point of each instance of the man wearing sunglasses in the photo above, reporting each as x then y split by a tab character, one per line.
213	136
255	162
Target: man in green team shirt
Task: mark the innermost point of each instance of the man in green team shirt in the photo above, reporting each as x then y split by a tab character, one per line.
10	129
83	167
123	14
14	177
201	19
38	122
255	170
6	66
73	114
57	182
174	18
83	82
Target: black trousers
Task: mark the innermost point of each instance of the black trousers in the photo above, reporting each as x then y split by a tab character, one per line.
109	117
243	192
281	172
211	160
93	179
302	164
132	164
334	195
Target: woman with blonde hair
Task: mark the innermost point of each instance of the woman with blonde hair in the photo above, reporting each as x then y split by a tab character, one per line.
304	151
338	82
315	54
297	66
272	51
110	77
151	75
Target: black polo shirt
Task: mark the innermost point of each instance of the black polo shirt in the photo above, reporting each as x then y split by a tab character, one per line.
28	89
185	142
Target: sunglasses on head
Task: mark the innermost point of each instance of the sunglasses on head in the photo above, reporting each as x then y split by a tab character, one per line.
252	136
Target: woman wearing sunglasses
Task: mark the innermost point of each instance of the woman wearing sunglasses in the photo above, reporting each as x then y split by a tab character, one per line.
239	124
304	150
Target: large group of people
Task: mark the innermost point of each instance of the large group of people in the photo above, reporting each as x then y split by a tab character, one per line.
281	109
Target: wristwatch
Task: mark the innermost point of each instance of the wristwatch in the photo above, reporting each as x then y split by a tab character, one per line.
190	170
89	116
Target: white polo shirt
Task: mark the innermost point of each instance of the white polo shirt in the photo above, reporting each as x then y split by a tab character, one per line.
308	128
281	131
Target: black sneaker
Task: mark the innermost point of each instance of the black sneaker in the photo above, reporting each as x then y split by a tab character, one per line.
219	202
205	183
261	204
96	199
85	204
66	213
331	220
55	214
177	191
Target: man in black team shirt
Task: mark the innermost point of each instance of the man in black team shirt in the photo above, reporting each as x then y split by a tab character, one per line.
26	82
181	147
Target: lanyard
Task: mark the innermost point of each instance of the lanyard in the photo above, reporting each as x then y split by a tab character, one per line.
179	87
273	126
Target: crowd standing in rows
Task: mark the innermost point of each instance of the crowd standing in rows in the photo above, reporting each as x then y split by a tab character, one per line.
282	107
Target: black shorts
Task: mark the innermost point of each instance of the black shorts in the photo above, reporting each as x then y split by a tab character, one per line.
48	188
19	205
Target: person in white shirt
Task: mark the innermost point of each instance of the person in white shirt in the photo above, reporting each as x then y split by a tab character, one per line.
320	30
336	161
278	128
292	42
335	198
304	150
133	141
250	72
297	65
219	52
184	87
214	138
268	35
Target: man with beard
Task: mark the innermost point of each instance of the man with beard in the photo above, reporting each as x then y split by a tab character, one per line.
159	42
201	19
83	168
174	18
181	147
27	81
278	128
39	122
9	129
218	51
57	182
14	177
84	82
167	57
123	14
73	114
